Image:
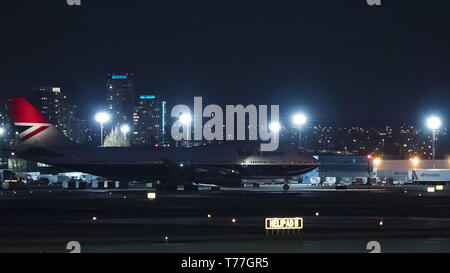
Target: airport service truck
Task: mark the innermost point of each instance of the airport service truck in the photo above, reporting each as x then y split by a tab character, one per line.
425	176
393	177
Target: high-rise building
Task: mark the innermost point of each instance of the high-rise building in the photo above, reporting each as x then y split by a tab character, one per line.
51	102
79	131
120	98
149	120
67	118
47	100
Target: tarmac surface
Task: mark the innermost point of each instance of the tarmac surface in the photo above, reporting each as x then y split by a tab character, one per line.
401	219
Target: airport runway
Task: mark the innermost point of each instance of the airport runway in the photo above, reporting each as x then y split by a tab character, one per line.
45	220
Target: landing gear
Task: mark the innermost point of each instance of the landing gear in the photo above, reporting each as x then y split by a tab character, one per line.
286	187
189	186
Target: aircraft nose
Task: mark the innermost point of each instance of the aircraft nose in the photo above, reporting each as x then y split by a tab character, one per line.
314	159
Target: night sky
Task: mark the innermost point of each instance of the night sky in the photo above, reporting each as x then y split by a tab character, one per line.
335	60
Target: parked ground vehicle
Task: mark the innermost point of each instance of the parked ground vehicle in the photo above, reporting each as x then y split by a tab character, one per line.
10	180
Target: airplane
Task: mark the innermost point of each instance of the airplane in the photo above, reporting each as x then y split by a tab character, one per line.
220	164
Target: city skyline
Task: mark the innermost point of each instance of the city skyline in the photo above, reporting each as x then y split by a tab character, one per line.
88	107
402	140
285	55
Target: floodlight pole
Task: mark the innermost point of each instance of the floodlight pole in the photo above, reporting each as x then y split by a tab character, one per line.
101	133
434	147
300	137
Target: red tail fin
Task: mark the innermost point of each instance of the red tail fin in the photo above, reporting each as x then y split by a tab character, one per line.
22	111
34	129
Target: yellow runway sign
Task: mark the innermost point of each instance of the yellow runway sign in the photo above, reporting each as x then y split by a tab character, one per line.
284	223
